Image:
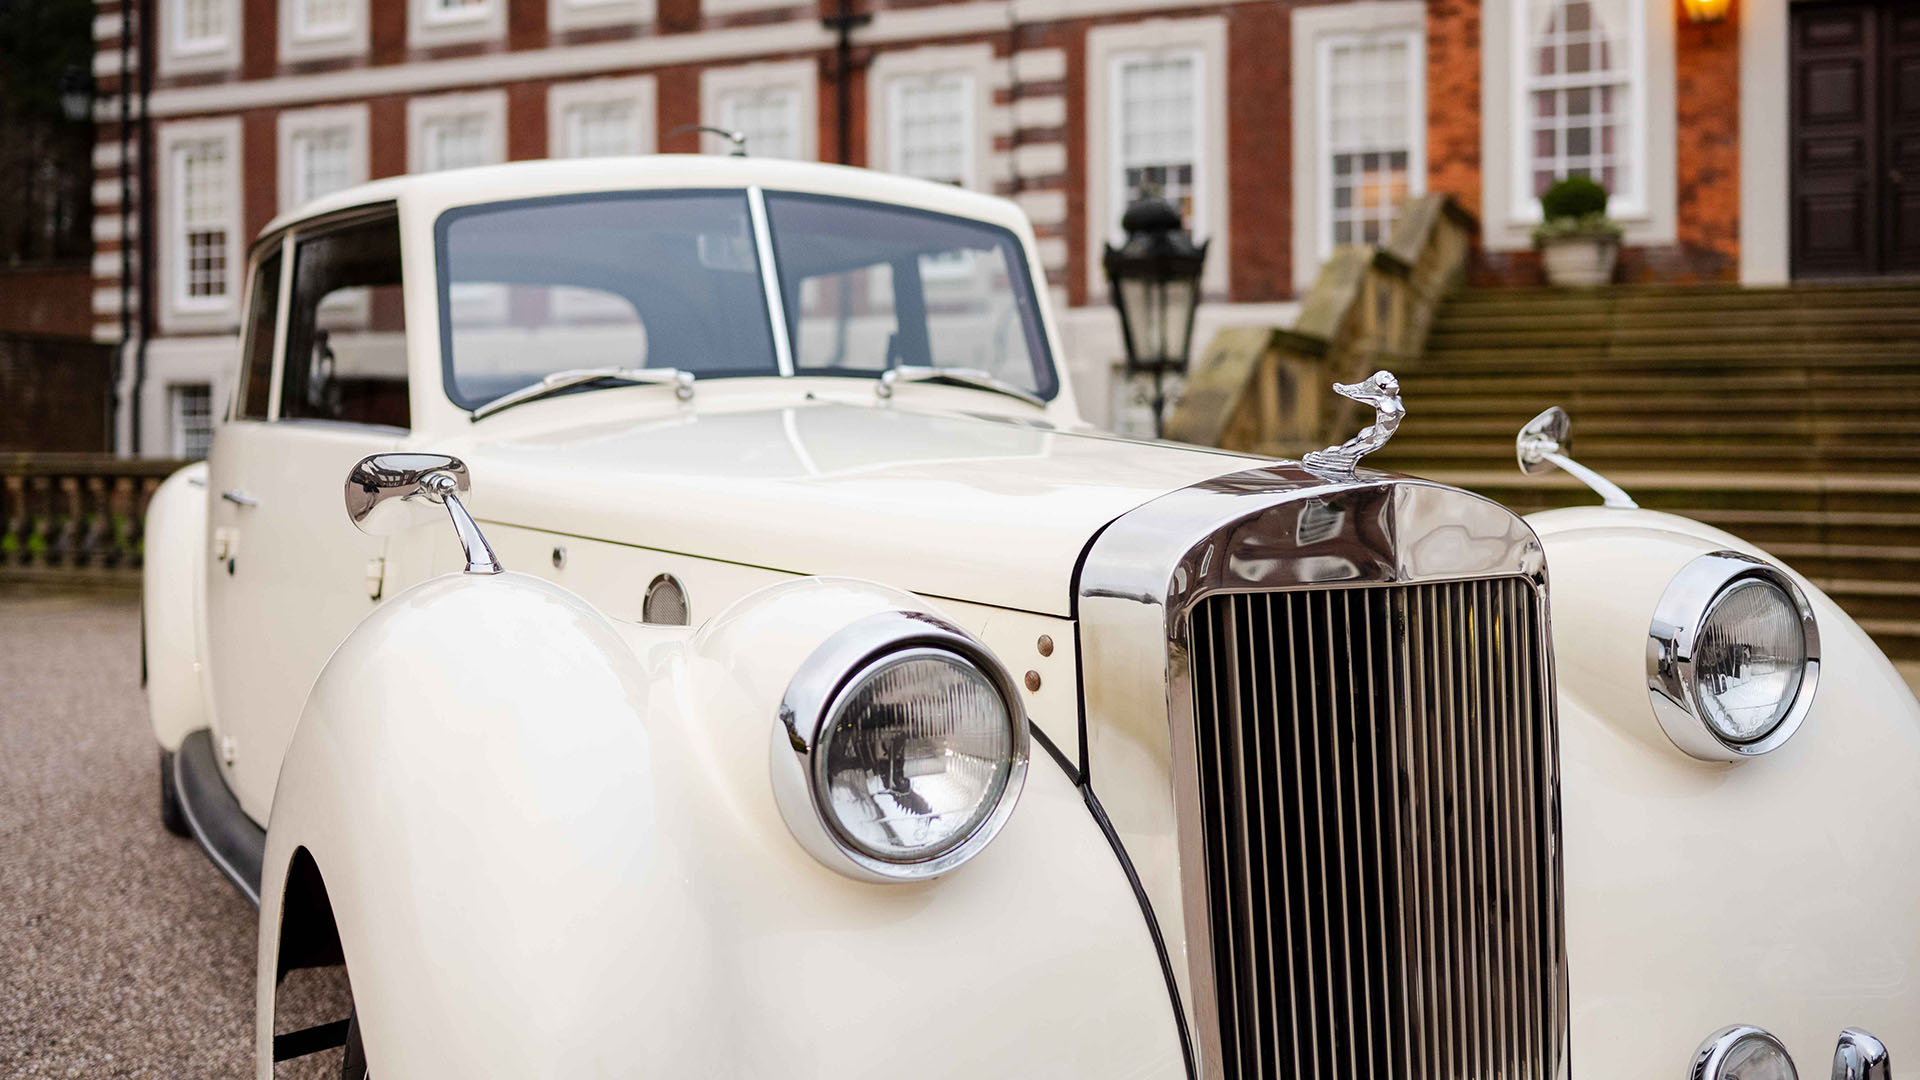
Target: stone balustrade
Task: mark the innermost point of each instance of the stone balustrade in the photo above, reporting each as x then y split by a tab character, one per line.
75	515
1269	390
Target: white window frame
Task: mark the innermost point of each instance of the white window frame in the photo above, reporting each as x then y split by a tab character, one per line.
1526	206
639	92
176	421
178	312
179	57
1316	32
296	123
428	26
799	76
299	42
891	70
1107	48
1509	210
489	105
564	16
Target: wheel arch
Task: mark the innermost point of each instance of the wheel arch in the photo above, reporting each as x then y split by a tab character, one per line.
524	809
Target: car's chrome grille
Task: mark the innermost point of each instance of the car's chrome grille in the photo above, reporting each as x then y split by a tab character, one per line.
1377	787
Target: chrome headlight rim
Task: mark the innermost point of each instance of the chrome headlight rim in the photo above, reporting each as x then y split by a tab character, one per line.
823	682
1672	681
1715	1053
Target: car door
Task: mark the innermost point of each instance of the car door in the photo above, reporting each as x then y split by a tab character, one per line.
292	576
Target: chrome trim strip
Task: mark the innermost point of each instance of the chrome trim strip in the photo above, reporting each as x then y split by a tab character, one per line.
1279	527
1671	680
770	278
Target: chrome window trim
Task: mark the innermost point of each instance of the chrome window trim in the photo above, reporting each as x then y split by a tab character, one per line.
770	279
1279	527
810	699
1670	641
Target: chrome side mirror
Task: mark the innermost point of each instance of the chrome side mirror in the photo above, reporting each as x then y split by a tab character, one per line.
391	493
1549	433
1545	443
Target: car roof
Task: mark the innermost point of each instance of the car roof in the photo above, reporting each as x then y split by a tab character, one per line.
532	179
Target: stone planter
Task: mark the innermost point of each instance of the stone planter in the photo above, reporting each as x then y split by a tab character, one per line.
1580	261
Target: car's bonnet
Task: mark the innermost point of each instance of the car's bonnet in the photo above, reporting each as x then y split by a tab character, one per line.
955	506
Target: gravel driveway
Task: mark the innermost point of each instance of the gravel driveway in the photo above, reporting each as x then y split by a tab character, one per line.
123	953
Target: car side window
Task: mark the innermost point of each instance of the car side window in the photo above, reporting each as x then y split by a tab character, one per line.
256	364
346	329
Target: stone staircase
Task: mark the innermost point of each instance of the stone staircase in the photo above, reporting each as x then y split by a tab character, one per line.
1789	417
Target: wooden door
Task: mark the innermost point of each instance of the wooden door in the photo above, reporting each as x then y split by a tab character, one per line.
1835	143
1855	143
1900	144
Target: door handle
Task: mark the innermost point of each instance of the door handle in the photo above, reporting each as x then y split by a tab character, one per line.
239	498
1895	177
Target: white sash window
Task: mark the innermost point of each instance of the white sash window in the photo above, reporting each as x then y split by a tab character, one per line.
1369	158
1157	124
1579	99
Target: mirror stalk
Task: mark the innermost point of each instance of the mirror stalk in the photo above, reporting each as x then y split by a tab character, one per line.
1545	442
443	488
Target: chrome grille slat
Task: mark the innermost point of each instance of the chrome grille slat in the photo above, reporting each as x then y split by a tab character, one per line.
1376	784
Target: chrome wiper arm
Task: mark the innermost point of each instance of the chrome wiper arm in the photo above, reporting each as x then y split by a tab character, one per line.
557	381
972	377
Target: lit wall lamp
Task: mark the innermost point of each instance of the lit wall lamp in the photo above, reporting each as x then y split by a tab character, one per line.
1706	11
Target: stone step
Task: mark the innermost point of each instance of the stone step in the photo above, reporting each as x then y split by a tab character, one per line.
1662	356
1893	427
1602	452
1768	407
1894	600
1652	388
1703	331
1683	298
1600	322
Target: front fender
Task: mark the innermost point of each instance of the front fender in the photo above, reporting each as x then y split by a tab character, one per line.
172	584
1778	891
551	849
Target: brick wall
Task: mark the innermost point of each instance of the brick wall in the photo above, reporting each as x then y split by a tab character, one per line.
1453	100
1707	159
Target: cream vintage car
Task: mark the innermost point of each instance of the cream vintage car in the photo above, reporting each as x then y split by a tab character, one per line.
735	657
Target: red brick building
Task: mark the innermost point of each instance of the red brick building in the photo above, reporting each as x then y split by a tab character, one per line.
1282	127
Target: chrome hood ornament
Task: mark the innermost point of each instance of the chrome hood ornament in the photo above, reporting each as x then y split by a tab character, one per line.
1382	391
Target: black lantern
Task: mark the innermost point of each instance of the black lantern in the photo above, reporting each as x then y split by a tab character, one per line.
1155	280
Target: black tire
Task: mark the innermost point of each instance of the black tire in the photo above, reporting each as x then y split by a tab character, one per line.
171	815
353	1063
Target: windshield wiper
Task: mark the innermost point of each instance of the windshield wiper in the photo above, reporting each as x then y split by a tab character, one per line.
566	380
970	377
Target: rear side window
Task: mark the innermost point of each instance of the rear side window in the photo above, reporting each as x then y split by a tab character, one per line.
256	365
346	329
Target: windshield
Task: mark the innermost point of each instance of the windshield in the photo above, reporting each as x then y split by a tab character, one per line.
636	279
867	287
672	279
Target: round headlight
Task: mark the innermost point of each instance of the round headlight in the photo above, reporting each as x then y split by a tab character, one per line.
1732	657
915	753
1741	1052
1748	660
900	750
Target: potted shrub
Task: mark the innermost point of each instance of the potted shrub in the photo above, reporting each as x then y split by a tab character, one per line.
1577	241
